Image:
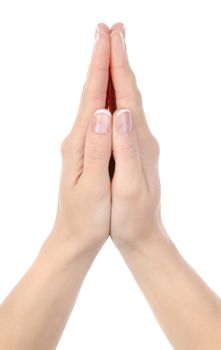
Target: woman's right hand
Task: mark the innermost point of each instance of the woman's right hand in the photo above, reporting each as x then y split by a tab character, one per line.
83	213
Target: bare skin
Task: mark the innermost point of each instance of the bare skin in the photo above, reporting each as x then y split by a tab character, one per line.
185	307
92	206
34	315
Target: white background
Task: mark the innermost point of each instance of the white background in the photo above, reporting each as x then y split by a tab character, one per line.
175	50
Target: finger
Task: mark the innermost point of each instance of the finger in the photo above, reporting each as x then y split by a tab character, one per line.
92	98
124	80
95	88
128	170
97	151
125	85
128	94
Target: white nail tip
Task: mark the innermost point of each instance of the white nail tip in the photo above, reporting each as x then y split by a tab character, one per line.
97	36
123	111
97	33
123	41
103	111
122	38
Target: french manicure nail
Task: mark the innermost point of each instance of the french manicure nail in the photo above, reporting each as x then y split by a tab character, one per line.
124	31
102	121
123	40
96	37
96	32
124	121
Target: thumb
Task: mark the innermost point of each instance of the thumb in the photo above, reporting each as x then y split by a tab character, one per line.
97	151
125	148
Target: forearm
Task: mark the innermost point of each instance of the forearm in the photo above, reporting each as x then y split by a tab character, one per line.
33	316
187	310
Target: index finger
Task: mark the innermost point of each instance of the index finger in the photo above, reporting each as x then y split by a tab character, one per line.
95	88
126	91
128	95
93	98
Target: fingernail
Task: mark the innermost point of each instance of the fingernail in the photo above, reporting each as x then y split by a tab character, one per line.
124	121
120	34
102	121
123	41
124	31
96	36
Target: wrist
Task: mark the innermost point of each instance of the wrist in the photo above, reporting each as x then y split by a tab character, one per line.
152	259
152	245
61	249
78	240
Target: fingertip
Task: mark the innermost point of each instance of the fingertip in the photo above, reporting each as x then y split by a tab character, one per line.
101	49
119	57
103	27
118	26
102	31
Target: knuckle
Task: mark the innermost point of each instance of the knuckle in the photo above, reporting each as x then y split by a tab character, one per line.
133	193
90	96
127	150
122	64
149	148
130	192
139	95
96	151
96	67
155	147
99	192
119	68
65	146
132	94
70	146
92	188
131	186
